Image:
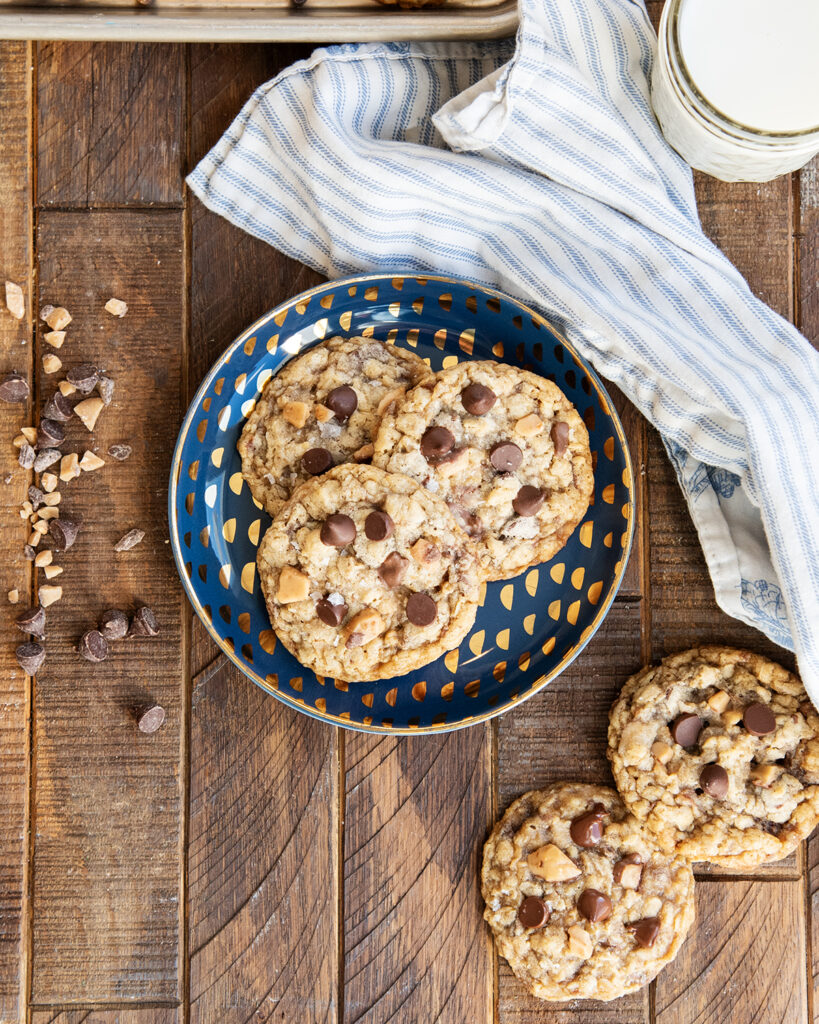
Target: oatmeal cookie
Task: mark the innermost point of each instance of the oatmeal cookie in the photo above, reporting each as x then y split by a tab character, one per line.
717	751
321	409
507	452
582	901
367	575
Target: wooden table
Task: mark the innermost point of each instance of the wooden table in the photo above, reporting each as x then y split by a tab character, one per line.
247	864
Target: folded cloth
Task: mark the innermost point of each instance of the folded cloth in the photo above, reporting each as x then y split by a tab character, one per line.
537	166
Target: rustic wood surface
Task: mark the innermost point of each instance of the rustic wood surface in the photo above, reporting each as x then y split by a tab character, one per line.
247	864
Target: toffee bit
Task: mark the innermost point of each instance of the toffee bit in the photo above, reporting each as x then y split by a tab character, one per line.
48	594
120	452
116	307
130	540
105	388
14	596
15	301
58	319
46	457
27	456
89	410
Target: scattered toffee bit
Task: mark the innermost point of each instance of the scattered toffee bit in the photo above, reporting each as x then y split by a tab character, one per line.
143	623
64	532
628	871
528	500
84	377
130	540
32	621
645	931
759	720
46	457
533	912
436	442
337	531
93	646
421	610
13	389
58	408
686	729
331	614
505	456
113	624
587	831
15	300
594	905
392	570
560	436
116	307
316	461
478	399
120	452
149	718
50	434
378	526
714	781
343	401
30	657
105	389
27	456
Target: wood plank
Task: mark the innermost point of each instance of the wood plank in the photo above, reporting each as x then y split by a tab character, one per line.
518	1007
16	348
165	1015
111	119
262	861
634	427
743	962
415	945
107	860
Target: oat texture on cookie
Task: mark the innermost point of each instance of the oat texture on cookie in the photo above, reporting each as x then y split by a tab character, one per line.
581	900
320	410
505	449
367	575
716	750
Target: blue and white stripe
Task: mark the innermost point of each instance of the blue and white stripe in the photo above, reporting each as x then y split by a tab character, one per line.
537	167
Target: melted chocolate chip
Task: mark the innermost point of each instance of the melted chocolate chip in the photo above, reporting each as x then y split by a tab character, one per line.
714	781
528	500
421	610
505	456
645	931
329	613
533	912
343	401
378	526
316	461
478	399
337	531
587	830
391	571
759	720
686	729
436	442
594	905
560	436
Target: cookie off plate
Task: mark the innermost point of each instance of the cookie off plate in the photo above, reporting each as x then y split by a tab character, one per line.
527	629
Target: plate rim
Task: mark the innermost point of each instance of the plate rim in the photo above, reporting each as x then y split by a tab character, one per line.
299	705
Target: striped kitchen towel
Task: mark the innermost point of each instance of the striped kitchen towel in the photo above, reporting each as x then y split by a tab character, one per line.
536	166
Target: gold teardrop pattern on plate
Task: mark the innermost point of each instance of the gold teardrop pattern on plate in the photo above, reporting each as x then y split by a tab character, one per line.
608	494
273	343
439	339
203	573
321	705
223	420
608	540
201	430
224	575
449	361
338	683
326	301
204	536
577	577
249	345
351	291
472	304
279	318
445	301
320	327
248	576
499	671
367	332
236	482
210	495
229	529
497	350
466	341
391	696
226	613
217	387
419	691
595	590
367	700
193	469
248	407
267	641
586	534
418	306
394	309
502	639
253	532
392	336
239	383
473	688
624	511
557	572
448	690
481	594
532	580
262	379
206	404
493	304
272	680
608	448
301	307
451	661
573	612
216	456
554	610
296	683
371	294
243	622
189	503
476	642
529	624
398	283
549	646
523	661
345	320
507	596
412	337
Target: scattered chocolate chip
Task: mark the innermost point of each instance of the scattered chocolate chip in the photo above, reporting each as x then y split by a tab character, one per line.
130	540
391	571
105	389
505	456
645	931
329	613
64	531
478	399
378	526
759	720
32	621
594	905
84	377
587	830
436	442
528	500
316	461
50	434
533	912
149	718
421	610
686	729
560	436
29	552
343	401
630	859
45	458
30	657
13	388
113	624
714	781
93	646
337	531
58	408
35	496
143	623
120	452
27	456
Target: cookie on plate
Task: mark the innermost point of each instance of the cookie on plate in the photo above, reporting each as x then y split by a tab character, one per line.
505	449
367	575
582	901
717	751
322	409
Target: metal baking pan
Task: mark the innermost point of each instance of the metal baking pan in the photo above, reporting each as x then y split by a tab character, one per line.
321	21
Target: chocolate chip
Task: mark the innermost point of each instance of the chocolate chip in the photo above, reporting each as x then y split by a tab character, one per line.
120	452
478	399
594	905
624	862
378	526
686	729
130	540
316	461
714	781
391	570
451	456
45	458
343	401
645	931
35	496
27	456
30	657
113	624
329	613
421	610
64	532
32	621
337	531
13	388
105	389
436	442
505	456
587	830
50	434
560	436
468	520
143	623
150	718
58	408
84	377
528	500
759	719
92	646
533	912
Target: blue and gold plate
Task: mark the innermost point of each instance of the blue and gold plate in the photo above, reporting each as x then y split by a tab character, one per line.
527	630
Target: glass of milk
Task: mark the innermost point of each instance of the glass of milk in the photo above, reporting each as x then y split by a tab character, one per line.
735	85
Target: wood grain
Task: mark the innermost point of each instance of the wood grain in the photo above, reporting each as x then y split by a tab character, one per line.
111	124
108	810
143	1015
417	812
262	861
743	960
15	353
